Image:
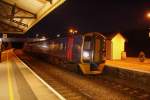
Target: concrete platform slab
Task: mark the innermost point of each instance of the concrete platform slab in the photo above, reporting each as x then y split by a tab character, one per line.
131	69
19	82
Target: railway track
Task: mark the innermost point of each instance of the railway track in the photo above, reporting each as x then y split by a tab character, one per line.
64	89
121	86
84	88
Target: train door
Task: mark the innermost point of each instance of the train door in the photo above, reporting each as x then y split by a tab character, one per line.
69	48
97	49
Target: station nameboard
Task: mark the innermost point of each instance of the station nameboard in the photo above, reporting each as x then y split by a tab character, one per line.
4	35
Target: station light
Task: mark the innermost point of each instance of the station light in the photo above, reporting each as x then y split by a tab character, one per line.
148	15
37	35
43	38
73	31
58	35
45	46
0	43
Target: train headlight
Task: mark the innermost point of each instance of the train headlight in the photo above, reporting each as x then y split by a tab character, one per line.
86	55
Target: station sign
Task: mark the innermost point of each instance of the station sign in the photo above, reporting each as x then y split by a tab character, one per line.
4	36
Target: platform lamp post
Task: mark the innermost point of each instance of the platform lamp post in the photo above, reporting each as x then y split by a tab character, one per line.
148	16
73	31
0	48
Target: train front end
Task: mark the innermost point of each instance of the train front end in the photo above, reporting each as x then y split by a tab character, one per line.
93	53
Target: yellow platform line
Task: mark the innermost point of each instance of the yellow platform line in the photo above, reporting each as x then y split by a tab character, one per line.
11	94
38	77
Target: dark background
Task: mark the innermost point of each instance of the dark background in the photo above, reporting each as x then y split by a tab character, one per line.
106	16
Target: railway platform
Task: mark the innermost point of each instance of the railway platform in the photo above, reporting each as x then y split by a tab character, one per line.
131	63
131	69
19	82
82	87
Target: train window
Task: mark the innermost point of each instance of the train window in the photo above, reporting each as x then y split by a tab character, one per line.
87	43
61	46
65	46
57	46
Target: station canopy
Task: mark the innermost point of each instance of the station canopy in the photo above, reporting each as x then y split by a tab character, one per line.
18	16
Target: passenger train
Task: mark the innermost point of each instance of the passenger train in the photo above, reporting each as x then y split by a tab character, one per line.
84	53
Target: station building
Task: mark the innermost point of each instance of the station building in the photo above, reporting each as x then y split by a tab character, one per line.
115	47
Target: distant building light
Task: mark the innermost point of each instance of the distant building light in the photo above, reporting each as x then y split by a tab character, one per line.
76	31
148	15
43	38
73	31
70	30
37	35
0	43
58	35
45	46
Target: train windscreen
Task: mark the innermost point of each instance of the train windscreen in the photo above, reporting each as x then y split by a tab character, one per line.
87	49
92	49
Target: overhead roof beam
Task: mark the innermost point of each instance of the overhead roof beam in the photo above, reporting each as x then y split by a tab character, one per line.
16	22
51	1
18	8
20	15
16	28
13	11
9	17
19	23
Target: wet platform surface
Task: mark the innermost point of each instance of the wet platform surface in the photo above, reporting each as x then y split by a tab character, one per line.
131	69
19	82
131	64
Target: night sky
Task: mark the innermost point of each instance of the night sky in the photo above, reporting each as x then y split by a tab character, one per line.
107	16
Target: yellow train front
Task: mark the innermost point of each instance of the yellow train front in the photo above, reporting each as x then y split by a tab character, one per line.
92	53
84	53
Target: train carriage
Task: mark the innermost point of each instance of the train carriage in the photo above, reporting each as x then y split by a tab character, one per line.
83	52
